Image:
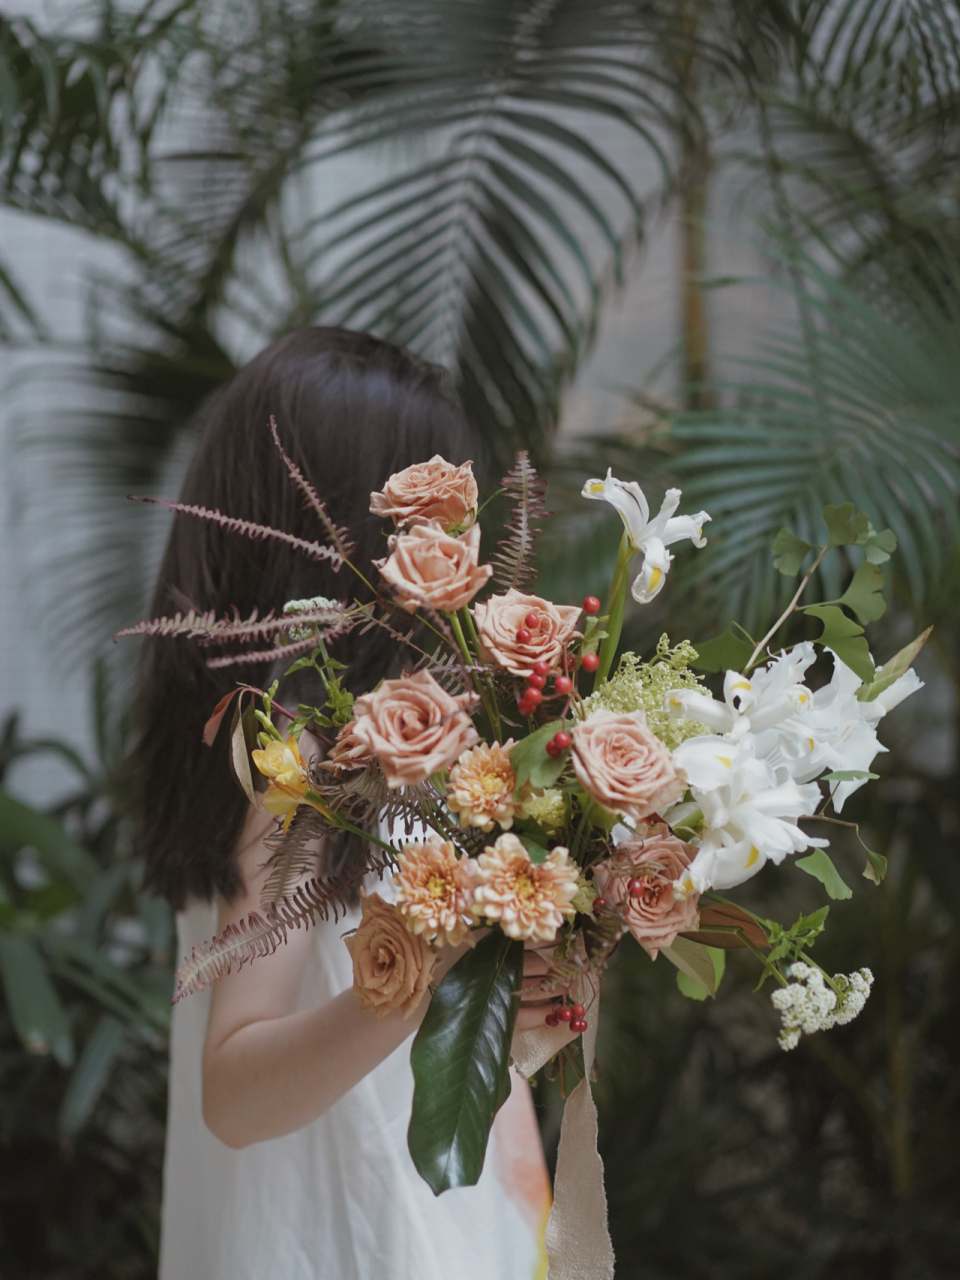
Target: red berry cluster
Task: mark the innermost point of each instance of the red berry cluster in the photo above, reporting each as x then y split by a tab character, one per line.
562	684
572	1013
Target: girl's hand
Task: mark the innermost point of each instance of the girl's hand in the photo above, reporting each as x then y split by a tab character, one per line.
536	999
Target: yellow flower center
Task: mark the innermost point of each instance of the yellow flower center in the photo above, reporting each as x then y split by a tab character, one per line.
525	887
491	783
437	886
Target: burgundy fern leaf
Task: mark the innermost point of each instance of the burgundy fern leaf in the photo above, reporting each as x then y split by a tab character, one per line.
213	630
260	934
512	559
339	536
315	550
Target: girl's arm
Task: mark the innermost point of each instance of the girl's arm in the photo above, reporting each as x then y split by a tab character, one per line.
269	1069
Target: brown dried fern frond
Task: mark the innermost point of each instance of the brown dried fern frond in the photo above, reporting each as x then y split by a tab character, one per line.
261	934
339	536
283	651
249	529
512	559
210	629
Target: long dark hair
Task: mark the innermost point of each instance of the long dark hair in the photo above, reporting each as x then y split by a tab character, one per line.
351	409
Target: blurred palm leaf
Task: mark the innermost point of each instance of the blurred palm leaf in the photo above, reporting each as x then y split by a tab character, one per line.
863	407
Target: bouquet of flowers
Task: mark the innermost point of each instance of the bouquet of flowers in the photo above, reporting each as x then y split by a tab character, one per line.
562	801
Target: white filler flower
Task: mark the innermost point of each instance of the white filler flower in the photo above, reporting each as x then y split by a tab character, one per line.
808	1004
652	537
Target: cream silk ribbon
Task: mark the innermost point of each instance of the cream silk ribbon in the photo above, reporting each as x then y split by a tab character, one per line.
578	1238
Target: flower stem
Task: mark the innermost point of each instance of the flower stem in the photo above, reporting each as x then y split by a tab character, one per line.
491	713
618	600
761	644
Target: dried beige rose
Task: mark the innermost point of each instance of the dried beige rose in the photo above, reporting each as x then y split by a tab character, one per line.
434	490
347	753
657	913
435	891
528	900
501	618
482	786
413	727
427	566
624	766
391	965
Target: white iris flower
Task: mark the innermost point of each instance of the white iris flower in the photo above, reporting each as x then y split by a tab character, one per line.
749	818
652	537
769	699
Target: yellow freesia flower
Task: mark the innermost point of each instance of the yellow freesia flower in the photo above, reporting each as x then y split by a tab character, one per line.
283	764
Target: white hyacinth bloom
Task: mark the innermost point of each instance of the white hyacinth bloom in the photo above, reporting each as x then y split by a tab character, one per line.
749	816
808	1004
652	537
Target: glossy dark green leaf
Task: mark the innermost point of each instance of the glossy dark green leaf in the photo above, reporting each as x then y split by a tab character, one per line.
460	1061
39	1018
726	652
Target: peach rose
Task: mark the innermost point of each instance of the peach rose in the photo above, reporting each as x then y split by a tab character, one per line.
623	766
500	618
657	913
391	965
347	753
434	490
428	566
413	727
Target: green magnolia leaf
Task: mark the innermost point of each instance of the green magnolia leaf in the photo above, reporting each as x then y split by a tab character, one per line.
865	593
695	962
693	990
819	865
879	547
529	759
726	652
844	637
891	671
847	526
789	552
460	1061
39	1018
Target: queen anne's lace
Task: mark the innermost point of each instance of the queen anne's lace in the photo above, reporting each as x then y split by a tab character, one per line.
809	1005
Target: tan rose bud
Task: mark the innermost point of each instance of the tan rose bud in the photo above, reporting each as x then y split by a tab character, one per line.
657	914
624	766
347	753
500	618
413	727
391	965
428	566
434	490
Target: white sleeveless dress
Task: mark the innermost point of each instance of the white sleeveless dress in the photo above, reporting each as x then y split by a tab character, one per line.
339	1199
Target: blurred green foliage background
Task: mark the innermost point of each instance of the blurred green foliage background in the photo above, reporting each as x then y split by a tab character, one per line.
499	167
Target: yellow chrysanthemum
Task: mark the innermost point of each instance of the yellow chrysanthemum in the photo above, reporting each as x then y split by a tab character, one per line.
528	900
482	785
435	891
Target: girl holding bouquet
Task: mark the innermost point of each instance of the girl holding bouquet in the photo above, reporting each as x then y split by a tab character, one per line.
286	1143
